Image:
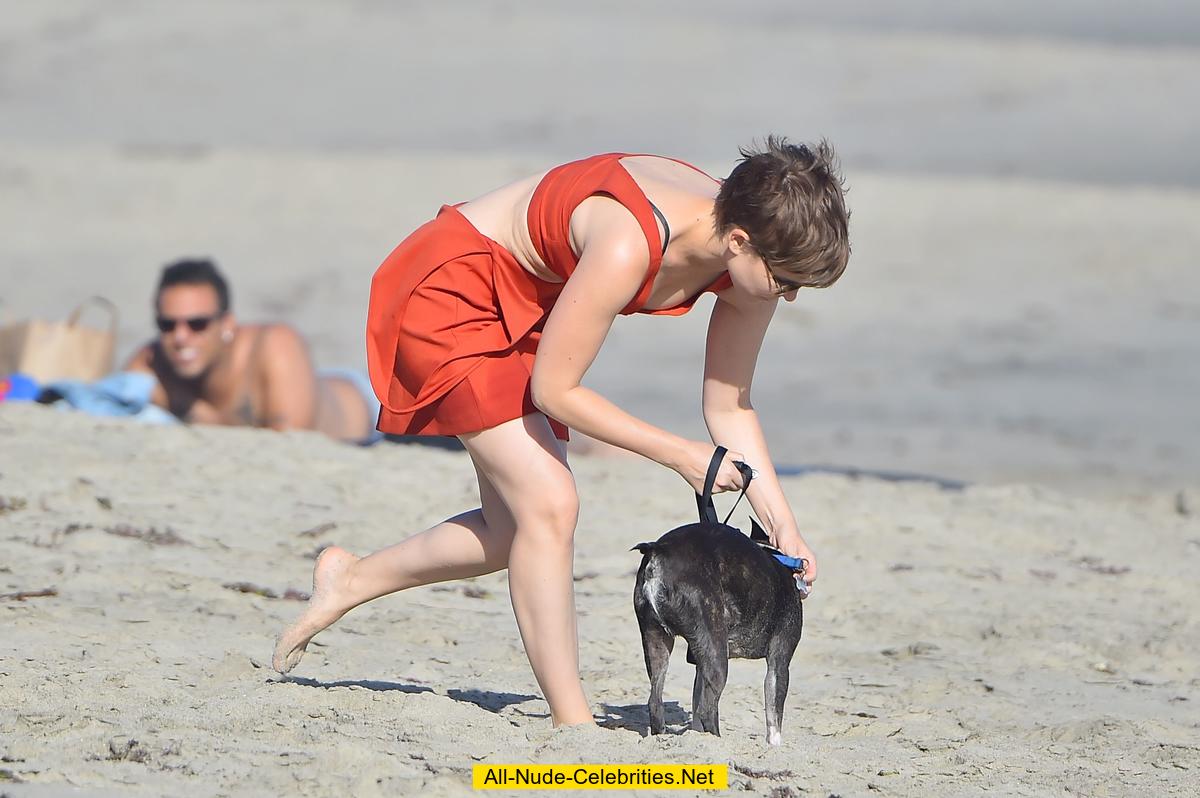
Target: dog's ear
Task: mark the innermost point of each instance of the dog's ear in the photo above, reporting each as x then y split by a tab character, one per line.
756	532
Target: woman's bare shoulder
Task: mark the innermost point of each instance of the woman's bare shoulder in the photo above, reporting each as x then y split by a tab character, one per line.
604	226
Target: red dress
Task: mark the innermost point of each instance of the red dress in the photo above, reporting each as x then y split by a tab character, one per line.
454	320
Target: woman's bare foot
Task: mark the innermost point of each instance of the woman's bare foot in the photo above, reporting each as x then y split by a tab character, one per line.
327	604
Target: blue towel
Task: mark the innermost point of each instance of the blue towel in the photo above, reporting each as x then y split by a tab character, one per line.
124	393
18	387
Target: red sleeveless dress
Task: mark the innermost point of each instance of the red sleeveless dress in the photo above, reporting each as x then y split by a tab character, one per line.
454	320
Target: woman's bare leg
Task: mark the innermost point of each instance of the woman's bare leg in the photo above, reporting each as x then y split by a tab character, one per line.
462	546
526	522
527	466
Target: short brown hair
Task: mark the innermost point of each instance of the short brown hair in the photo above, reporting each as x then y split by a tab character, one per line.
790	200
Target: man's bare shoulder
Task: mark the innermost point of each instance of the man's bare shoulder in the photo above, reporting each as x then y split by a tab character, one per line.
276	338
278	351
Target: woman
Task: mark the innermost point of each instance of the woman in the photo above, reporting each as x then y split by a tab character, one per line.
543	266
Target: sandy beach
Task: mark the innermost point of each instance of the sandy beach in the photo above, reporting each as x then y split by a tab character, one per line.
990	421
1006	639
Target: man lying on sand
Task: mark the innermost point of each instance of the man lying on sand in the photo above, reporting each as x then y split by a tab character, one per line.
211	370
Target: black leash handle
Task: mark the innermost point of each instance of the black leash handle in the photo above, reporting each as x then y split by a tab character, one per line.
704	502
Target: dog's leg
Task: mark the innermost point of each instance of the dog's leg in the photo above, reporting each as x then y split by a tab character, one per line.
774	695
775	688
710	649
657	643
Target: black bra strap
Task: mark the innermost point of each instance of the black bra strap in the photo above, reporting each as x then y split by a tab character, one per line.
666	227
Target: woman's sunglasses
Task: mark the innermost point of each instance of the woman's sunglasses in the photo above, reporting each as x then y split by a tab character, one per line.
782	284
194	323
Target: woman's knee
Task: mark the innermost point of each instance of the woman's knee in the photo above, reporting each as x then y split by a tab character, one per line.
550	513
524	467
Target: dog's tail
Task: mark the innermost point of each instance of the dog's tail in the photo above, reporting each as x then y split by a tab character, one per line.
646	548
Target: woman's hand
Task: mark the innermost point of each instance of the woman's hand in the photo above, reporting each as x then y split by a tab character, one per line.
791	544
693	467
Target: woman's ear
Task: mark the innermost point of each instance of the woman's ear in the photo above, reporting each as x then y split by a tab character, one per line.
738	241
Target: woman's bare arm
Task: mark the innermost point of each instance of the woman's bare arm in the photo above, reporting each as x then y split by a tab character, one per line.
611	269
735	335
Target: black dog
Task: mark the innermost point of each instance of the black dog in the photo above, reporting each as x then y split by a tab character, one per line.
728	596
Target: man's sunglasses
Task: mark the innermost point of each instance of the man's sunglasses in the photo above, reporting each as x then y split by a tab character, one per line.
194	323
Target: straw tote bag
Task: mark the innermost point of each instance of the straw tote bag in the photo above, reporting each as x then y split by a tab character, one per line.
60	350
